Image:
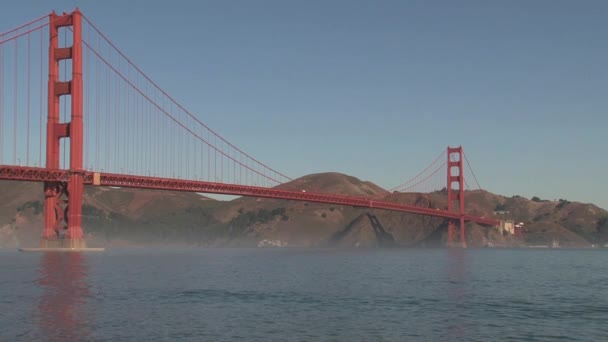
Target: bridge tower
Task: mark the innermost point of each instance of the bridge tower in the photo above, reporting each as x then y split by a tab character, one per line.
455	188
63	199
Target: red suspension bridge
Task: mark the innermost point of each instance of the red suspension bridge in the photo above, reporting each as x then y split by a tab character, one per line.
75	111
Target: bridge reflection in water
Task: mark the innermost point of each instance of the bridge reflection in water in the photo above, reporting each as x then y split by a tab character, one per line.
61	308
459	294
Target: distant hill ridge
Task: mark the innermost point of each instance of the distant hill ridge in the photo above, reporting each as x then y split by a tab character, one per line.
123	217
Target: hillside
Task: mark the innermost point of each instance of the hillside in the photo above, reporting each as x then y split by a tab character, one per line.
122	217
293	222
334	183
111	216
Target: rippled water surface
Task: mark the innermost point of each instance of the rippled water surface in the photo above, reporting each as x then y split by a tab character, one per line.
305	295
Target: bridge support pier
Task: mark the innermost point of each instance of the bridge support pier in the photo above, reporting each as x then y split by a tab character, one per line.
63	200
463	240
452	230
451	233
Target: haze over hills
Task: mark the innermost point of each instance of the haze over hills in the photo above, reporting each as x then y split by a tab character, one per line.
127	217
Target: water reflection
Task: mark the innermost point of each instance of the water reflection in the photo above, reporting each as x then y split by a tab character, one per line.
458	282
64	292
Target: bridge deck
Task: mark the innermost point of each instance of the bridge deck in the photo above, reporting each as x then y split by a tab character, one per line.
37	174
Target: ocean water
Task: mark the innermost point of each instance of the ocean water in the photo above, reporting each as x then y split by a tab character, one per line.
305	295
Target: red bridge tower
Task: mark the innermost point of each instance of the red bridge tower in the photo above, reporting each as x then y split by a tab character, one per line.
455	188
63	199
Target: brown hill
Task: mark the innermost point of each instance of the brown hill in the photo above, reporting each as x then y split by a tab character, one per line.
334	183
568	223
126	216
249	220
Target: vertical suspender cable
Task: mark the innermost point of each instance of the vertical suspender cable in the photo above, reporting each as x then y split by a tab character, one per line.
179	145
97	106
127	124
187	168
136	129
116	118
107	116
165	150
124	125
16	100
41	134
27	148
1	100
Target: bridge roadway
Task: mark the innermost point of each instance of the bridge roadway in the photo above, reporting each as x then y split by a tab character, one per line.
39	174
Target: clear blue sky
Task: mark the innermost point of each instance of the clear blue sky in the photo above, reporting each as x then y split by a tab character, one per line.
377	89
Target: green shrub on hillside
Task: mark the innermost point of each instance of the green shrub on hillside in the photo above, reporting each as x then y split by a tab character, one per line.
500	207
562	203
246	219
36	205
278	211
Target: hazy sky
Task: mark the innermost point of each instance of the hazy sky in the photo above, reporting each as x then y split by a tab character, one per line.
377	89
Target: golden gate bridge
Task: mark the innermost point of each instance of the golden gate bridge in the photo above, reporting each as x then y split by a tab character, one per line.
76	111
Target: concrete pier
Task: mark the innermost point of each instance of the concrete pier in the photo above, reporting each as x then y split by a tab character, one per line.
62	245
